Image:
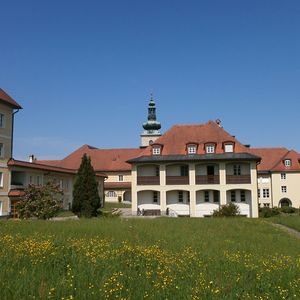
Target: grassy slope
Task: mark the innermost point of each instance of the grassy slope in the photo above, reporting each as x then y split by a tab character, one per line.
152	258
292	221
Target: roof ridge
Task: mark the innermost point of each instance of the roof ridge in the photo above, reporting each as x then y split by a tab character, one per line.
277	163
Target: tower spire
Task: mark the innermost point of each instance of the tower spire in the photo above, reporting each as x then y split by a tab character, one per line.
152	126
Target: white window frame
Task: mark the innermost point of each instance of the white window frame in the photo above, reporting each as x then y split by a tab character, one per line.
266	193
121	177
210	148
227	149
156	150
192	149
287	162
2	120
1	179
111	194
284	189
283	176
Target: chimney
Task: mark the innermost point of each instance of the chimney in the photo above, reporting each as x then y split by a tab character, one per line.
31	158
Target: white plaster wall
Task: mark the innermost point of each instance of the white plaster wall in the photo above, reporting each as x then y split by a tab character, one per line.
245	207
206	209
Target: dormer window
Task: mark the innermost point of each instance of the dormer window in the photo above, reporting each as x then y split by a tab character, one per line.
210	148
156	150
287	162
191	149
228	147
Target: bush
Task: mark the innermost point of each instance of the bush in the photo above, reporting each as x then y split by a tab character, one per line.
42	202
288	210
228	210
267	212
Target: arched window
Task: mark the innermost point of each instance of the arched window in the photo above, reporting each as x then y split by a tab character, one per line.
111	194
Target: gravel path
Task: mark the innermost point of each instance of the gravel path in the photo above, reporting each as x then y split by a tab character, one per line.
288	229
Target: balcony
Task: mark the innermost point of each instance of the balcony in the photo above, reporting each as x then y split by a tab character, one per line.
177	180
207	179
232	179
148	180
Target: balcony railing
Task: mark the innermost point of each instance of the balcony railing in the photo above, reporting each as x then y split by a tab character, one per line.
148	180
175	180
207	179
238	179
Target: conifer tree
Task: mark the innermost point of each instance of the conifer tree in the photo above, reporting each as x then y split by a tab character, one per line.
86	199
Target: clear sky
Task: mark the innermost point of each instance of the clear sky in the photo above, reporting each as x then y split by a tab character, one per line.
83	70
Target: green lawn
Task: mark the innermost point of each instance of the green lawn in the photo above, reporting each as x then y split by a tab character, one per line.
292	220
109	205
164	258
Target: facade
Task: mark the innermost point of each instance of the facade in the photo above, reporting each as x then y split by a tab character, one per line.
8	108
193	169
112	162
278	177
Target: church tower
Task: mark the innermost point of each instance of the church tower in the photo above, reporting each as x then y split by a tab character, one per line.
151	127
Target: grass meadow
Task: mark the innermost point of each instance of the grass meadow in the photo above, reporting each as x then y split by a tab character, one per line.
292	221
161	258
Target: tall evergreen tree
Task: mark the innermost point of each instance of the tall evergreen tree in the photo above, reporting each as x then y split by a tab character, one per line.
86	199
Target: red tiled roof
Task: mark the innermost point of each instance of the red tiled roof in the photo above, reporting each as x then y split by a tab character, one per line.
174	141
295	162
273	159
4	97
269	157
102	159
39	166
16	193
117	185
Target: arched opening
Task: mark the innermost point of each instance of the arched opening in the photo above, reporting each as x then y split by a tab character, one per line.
206	202
242	199
148	175
285	202
127	196
177	174
178	202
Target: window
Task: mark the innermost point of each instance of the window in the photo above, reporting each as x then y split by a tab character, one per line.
188	197
283	176
38	180
258	193
243	196
61	184
111	194
2	120
121	177
232	196
236	169
206	196
184	171
180	196
192	149
30	179
287	163
210	149
216	196
1	150
266	193
265	179
1	179
283	189
228	147
156	151
266	204
155	197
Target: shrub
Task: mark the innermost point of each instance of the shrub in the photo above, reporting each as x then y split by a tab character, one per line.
267	212
288	210
42	202
228	210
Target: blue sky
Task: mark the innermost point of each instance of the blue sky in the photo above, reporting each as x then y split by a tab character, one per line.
83	70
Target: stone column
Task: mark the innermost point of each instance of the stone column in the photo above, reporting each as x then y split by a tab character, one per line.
193	203
134	196
254	200
163	202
